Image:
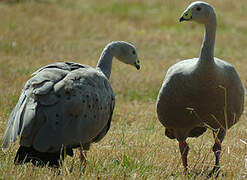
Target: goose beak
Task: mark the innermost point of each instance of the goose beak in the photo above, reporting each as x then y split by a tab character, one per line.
137	64
181	19
187	15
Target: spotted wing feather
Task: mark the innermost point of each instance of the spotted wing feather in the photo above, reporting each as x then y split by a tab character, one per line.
68	104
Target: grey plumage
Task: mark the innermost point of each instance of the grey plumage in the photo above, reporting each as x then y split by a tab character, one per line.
192	96
60	106
188	87
67	104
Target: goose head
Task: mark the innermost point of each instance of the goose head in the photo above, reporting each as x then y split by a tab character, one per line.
198	11
127	53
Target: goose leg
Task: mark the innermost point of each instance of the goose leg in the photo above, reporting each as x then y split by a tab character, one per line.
83	159
184	149
83	156
217	150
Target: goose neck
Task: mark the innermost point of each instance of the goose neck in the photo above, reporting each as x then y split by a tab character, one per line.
207	48
105	60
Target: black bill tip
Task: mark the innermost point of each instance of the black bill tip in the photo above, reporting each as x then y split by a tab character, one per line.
181	19
137	66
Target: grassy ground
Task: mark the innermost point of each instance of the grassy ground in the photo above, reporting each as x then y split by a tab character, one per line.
34	33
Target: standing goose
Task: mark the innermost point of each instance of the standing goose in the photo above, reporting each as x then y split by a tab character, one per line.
65	105
201	92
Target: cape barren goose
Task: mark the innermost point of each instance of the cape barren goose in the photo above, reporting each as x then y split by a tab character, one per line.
201	92
65	106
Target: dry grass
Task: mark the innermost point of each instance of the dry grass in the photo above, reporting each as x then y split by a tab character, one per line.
37	32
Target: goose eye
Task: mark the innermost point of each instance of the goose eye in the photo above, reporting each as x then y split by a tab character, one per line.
198	8
134	52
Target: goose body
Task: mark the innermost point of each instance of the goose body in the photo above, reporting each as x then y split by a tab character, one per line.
198	94
66	105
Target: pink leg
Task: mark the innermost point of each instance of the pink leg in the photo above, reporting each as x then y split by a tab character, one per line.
184	149
216	149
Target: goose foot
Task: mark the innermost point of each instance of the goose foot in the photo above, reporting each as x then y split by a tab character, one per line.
215	171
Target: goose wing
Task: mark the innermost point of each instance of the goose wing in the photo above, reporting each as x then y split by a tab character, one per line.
62	104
